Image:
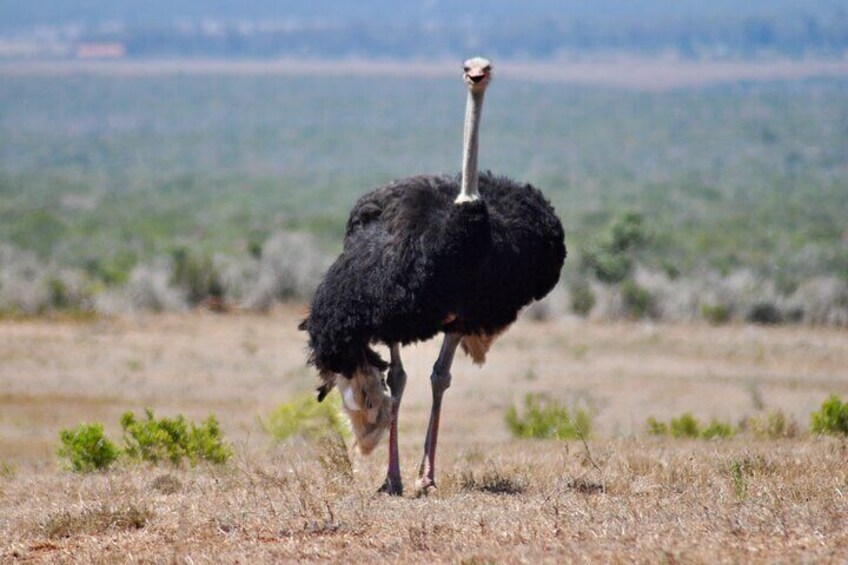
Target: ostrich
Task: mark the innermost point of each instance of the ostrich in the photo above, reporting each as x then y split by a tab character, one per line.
427	255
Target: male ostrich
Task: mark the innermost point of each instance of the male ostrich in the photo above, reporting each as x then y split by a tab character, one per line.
424	255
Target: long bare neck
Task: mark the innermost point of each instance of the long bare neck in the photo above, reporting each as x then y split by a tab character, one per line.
468	190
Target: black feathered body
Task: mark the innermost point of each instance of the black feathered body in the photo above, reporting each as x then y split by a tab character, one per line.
415	264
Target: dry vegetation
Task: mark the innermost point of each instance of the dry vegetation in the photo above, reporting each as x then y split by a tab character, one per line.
623	496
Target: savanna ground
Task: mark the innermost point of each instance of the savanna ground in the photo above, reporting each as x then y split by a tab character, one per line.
622	496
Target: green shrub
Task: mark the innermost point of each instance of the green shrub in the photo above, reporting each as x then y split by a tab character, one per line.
717	429
304	416
832	418
605	265
715	314
196	275
684	426
637	300
657	428
687	426
173	439
86	448
582	298
544	419
610	259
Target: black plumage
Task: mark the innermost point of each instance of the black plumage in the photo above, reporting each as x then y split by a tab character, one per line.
415	264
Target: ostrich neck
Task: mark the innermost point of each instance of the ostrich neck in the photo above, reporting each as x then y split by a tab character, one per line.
473	107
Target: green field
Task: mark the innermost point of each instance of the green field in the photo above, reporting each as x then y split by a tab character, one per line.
100	173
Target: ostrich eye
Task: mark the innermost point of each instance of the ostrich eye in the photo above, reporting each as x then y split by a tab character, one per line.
487	68
466	69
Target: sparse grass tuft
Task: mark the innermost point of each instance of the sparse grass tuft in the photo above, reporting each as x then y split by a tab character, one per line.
738	472
86	448
173	439
546	419
832	418
94	521
305	416
586	487
166	484
7	470
492	481
334	457
773	425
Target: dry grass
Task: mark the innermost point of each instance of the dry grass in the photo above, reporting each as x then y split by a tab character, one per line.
621	497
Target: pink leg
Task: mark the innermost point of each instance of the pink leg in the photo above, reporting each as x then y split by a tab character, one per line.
440	381
397	382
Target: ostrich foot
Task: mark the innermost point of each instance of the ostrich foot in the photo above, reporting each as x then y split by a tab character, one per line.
425	487
392	487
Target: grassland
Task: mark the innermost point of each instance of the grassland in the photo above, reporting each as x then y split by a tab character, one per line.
623	496
102	171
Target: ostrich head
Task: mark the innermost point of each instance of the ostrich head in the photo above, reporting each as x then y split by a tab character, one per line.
477	72
367	404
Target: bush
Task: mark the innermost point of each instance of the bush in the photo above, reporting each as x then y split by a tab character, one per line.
546	419
637	300
687	426
304	416
173	439
610	260
684	426
715	314
764	313
832	418
606	266
196	275
86	448
657	428
582	298
717	429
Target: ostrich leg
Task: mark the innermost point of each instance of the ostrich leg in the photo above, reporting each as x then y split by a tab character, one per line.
440	381
397	382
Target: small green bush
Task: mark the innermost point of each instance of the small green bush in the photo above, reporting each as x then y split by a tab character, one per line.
684	426
173	439
546	419
687	426
86	448
304	416
637	300
832	418
196	275
657	428
582	298
715	314
610	259
717	429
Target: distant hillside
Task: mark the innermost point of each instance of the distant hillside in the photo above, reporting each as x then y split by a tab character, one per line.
18	13
424	28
